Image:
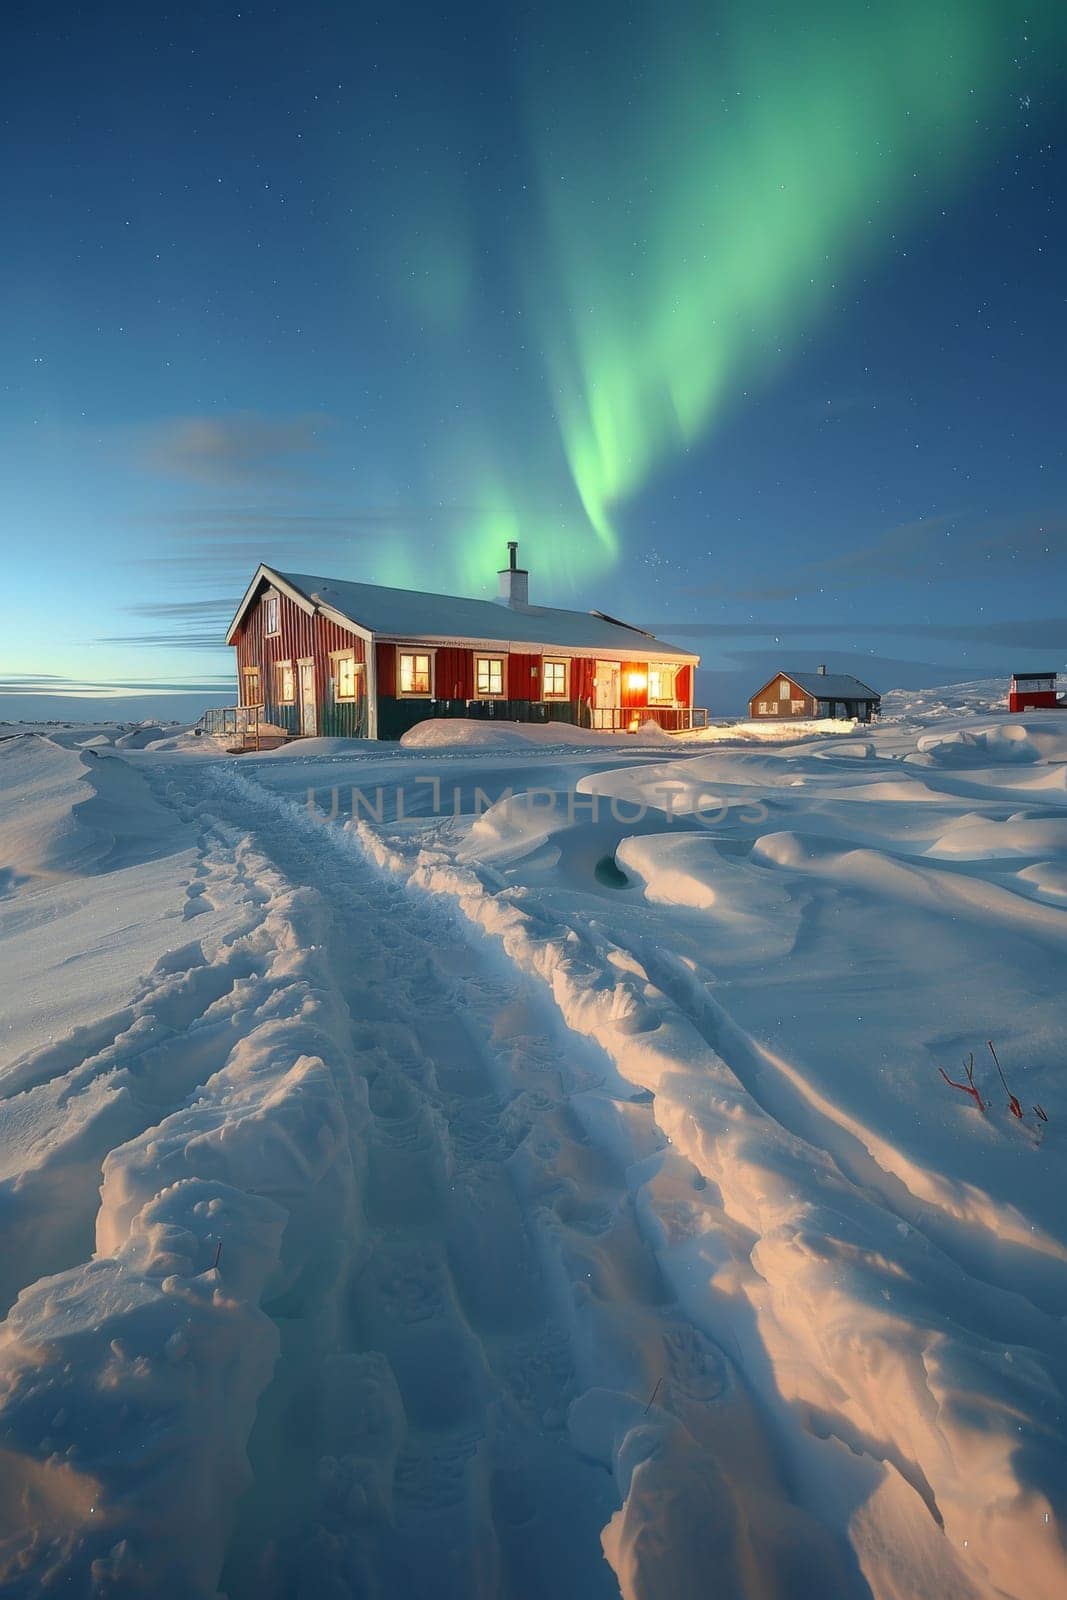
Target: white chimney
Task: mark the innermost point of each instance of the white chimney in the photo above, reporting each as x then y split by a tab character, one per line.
514	580
821	671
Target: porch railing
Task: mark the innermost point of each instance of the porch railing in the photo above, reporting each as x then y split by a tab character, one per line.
233	722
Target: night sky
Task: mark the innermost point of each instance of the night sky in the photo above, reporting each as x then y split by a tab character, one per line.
748	320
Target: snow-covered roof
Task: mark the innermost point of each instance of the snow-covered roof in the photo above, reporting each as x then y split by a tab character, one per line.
832	685
412	614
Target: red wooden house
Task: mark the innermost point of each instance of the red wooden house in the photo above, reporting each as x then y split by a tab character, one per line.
326	656
1033	691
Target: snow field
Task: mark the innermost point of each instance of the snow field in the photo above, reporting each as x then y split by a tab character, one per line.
909	1309
452	1204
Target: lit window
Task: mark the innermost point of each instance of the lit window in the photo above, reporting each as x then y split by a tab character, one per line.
784	690
555	680
250	682
414	673
660	685
286	689
270	614
489	676
797	706
347	679
763	708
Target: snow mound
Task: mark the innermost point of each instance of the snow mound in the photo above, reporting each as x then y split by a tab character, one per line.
1014	742
139	738
304	749
766	732
452	732
69	812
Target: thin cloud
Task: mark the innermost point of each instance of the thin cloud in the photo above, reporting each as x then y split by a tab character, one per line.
28	684
932	550
1042	633
206	639
229	451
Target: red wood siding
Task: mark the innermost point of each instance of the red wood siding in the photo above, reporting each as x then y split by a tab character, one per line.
524	677
258	649
630	695
454	675
300	637
683	685
385	662
583	671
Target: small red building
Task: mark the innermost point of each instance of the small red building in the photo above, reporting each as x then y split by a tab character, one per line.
1033	691
326	656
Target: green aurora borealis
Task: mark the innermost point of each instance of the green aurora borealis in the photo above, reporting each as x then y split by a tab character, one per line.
702	191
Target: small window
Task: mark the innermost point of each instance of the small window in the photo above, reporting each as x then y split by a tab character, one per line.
286	688
763	708
346	673
798	706
414	673
488	677
554	680
784	690
661	686
270	614
250	685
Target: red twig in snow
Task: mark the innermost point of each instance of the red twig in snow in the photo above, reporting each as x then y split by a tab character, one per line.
968	1087
1013	1105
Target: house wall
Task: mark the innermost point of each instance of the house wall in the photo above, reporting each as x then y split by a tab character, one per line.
455	692
779	706
1033	700
524	677
683	685
339	719
300	636
632	697
454	675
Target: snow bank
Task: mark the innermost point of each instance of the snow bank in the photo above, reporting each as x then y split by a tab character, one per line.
224	1116
1005	742
492	734
64	812
767	732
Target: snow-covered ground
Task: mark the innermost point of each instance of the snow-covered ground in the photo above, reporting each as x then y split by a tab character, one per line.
522	1166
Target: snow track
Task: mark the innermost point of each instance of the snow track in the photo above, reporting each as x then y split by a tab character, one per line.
495	1284
367	1208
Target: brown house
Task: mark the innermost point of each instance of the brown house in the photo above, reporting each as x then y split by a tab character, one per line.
327	656
815	694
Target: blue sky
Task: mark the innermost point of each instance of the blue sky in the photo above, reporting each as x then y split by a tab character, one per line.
370	290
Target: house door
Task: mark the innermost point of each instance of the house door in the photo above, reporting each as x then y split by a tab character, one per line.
308	726
606	698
